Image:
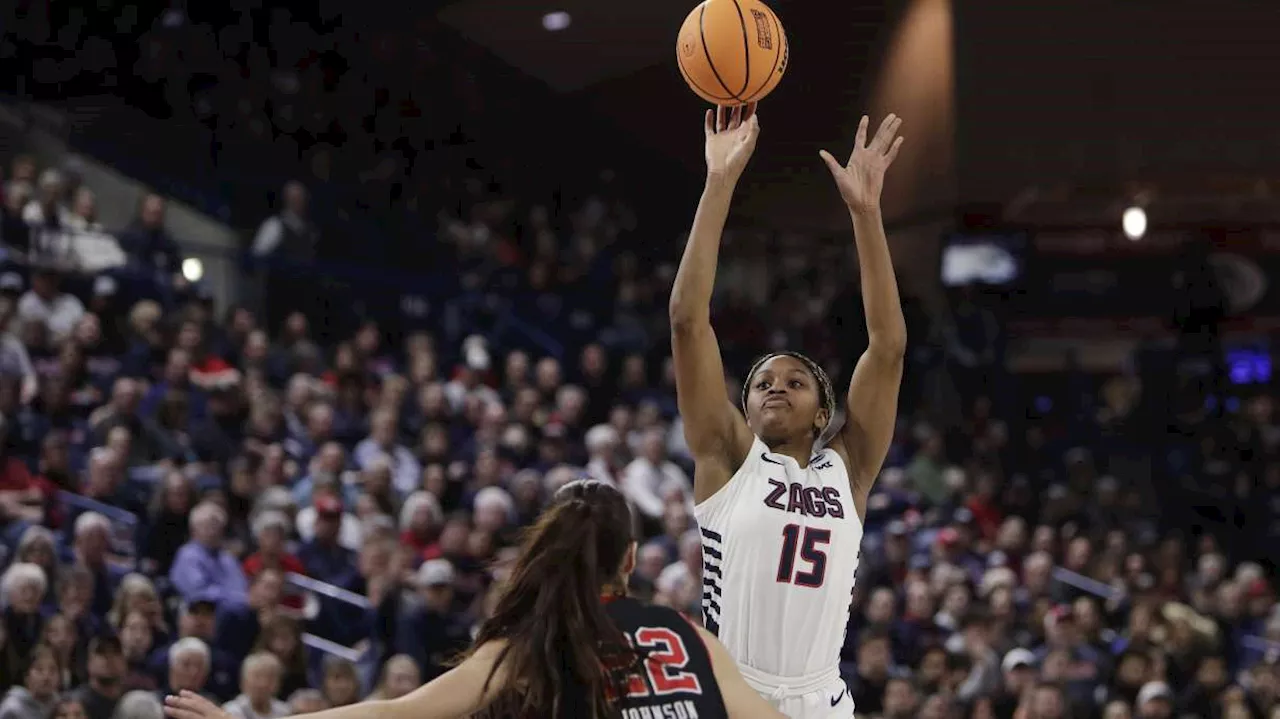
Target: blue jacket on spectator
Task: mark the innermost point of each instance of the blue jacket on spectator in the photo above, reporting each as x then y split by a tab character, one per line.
215	575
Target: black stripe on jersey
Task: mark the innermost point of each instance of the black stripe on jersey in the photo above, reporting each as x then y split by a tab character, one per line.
712	626
712	552
709	603
710	584
713	536
707	567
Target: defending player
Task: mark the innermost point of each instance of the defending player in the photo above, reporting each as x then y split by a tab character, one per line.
781	519
565	642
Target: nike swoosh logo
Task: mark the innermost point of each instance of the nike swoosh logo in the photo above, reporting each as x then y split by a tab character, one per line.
839	697
765	457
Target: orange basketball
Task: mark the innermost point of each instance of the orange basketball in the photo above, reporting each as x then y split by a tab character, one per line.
732	52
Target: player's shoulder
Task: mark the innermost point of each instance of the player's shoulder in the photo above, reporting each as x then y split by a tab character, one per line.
631	614
829	459
640	610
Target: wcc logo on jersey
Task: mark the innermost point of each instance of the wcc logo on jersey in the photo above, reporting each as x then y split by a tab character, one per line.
796	498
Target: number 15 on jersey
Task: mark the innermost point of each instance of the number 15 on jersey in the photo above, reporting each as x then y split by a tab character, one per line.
806	545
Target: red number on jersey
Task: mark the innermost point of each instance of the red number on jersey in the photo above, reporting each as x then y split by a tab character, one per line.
665	660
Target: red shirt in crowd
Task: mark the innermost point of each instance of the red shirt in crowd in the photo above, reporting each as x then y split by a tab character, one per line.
255	563
17	481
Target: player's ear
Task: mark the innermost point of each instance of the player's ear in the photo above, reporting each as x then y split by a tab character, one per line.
821	420
629	560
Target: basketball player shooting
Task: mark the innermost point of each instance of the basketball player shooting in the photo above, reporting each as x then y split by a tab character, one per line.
781	518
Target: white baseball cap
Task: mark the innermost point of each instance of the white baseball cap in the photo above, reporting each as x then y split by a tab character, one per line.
1017	658
1152	691
435	572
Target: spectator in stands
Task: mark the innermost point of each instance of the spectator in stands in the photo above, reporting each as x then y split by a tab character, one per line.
15	233
420	523
22	589
270	531
203	568
23	497
427	629
75	600
282	637
381	444
190	662
138	639
146	241
14	359
286	240
63	636
327	466
106	668
147	347
260	677
35	697
168	529
139	705
325	556
399	677
83	213
92	544
306	701
198	620
38	546
240	625
174	380
148	443
47	306
651	478
603	444
46	211
339	682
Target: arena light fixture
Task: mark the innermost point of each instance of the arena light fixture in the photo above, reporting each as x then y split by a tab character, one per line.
1134	223
556	21
192	269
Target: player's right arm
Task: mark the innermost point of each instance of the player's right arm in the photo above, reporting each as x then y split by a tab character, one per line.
740	700
715	431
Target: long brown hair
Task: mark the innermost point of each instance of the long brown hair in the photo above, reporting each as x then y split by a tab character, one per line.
563	654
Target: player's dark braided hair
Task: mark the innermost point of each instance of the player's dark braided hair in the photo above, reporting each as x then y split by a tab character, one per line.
825	389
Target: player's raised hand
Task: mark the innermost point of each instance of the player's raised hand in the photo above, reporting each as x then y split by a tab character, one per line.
731	138
862	179
189	705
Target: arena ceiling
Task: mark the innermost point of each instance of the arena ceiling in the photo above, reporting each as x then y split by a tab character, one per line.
617	58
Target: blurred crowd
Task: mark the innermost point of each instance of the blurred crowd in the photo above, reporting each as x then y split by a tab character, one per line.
192	501
293	504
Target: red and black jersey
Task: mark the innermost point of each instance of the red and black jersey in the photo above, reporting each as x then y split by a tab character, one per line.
678	681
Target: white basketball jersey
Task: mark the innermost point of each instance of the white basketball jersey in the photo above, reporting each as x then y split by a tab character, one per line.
779	549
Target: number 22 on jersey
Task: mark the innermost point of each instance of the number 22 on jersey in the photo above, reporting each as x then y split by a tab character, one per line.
807	545
665	658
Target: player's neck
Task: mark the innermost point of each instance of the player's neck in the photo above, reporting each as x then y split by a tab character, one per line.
800	451
610	592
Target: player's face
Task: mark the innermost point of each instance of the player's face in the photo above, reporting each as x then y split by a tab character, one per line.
784	401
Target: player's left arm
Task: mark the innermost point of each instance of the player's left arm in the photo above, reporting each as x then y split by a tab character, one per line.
872	401
459	692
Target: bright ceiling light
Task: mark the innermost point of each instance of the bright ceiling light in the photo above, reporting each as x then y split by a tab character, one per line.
556	21
192	269
1134	223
